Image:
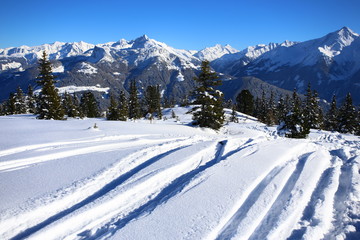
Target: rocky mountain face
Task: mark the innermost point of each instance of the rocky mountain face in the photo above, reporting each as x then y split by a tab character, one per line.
331	64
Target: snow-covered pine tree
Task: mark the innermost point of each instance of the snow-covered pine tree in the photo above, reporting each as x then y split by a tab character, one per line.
271	115
331	121
262	108
185	101
293	124
312	112
71	107
245	102
31	100
153	101
211	113
282	109
233	117
113	112
124	107
348	117
2	109
10	106
89	106
49	101
20	105
134	106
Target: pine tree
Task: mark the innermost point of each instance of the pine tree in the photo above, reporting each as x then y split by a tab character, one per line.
124	107
70	106
11	104
113	112
173	115
282	109
49	105
313	117
270	114
89	106
262	108
134	106
20	105
245	102
331	122
293	125
153	101
348	117
211	113
233	117
31	100
185	101
2	109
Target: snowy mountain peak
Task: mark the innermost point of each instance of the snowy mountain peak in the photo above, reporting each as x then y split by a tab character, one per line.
345	31
332	44
143	38
215	52
288	43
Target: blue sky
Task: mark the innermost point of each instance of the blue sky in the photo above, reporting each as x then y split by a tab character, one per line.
185	24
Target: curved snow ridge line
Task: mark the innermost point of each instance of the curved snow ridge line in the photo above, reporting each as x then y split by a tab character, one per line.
14	223
295	196
257	186
11	165
345	198
56	144
257	203
109	216
317	220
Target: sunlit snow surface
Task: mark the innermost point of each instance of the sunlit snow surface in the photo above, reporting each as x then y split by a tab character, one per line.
169	180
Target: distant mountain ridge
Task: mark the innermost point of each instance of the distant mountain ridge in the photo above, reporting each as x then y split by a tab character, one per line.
330	63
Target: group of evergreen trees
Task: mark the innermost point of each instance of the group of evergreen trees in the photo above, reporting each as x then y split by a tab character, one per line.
48	104
129	108
19	103
296	117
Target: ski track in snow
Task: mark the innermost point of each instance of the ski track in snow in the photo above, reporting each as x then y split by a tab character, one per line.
291	199
88	192
141	198
231	227
102	145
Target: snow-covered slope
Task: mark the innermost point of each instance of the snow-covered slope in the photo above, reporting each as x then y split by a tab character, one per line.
311	52
330	63
57	50
215	52
167	180
239	59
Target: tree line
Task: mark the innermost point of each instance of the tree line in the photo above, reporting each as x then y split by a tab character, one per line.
295	116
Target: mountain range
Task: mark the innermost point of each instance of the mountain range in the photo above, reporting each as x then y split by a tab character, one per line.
331	64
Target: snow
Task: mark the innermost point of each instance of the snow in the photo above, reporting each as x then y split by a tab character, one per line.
215	52
56	50
169	180
334	46
86	68
10	65
73	89
58	69
180	77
